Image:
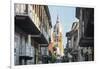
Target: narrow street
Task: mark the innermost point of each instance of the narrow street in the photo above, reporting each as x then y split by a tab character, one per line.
47	34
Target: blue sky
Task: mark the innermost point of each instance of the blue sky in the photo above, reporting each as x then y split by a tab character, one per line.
67	17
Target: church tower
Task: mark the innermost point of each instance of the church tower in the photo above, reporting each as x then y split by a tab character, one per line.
58	37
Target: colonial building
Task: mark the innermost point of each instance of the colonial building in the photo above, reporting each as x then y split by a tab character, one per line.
55	47
86	32
57	36
80	40
32	33
73	42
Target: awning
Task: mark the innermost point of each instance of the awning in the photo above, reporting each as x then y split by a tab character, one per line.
26	24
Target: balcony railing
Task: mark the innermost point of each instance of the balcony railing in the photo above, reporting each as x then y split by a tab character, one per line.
21	9
27	51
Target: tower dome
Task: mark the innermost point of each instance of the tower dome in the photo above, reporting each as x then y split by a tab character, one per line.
58	26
